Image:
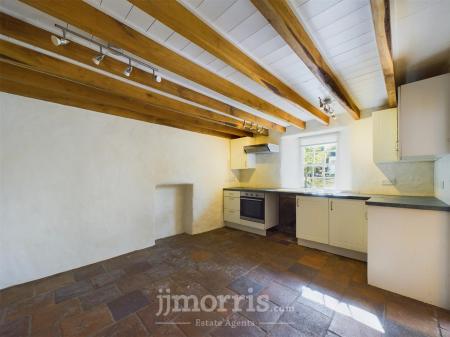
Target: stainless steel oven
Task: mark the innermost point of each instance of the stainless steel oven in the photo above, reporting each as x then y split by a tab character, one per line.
252	206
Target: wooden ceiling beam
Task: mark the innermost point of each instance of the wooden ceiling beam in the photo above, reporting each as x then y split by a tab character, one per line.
382	24
27	77
22	31
283	19
95	22
50	65
184	22
20	89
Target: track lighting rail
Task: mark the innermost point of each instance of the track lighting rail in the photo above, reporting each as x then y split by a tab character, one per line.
102	47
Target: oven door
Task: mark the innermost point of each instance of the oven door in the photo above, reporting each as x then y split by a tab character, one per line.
252	209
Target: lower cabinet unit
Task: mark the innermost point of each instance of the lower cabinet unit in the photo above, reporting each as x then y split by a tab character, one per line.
312	218
348	224
232	215
336	222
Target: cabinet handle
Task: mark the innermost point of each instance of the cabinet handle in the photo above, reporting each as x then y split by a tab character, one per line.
298	203
331	205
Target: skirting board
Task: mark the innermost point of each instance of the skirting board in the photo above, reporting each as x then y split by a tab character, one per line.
334	250
245	228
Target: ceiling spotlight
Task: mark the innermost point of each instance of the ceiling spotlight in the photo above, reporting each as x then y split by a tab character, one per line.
158	78
59	41
99	58
127	72
325	104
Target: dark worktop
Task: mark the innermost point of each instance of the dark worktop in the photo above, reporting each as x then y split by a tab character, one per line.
430	203
426	203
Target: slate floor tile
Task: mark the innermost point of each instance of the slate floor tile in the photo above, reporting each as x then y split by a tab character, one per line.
87	272
105	278
72	290
53	282
245	286
265	316
127	304
413	316
392	329
45	320
304	271
238	326
130	326
171	330
86	323
16	294
314	259
220	262
359	325
284	330
99	296
307	320
16	328
280	294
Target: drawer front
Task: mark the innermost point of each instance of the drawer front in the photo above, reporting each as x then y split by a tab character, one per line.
231	215
233	203
235	194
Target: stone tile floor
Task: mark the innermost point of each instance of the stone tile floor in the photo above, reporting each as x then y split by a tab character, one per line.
311	293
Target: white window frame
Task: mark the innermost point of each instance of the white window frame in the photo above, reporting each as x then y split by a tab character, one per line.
318	140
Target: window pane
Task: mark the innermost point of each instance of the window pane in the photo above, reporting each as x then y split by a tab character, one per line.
318	171
308	155
320	165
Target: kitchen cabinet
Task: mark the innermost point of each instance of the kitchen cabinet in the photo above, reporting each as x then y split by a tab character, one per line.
348	224
232	206
312	218
239	160
424	118
385	145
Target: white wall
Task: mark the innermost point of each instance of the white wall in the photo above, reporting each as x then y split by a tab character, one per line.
356	170
442	179
78	186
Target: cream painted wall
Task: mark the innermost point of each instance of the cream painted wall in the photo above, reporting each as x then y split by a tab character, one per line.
442	179
356	169
78	186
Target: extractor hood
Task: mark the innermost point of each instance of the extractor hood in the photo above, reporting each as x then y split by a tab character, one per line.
262	148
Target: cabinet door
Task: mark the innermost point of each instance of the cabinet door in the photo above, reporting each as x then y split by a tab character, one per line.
232	215
424	118
238	158
385	147
348	225
312	218
233	203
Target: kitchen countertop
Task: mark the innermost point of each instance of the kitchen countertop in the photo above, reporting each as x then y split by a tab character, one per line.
430	203
425	203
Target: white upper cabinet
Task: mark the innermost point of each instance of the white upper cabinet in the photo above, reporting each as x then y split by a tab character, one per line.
348	224
240	160
424	118
312	219
385	145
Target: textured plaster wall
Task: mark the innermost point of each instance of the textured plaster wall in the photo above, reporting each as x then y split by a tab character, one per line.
356	169
78	186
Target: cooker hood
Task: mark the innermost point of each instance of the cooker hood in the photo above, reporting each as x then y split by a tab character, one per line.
262	148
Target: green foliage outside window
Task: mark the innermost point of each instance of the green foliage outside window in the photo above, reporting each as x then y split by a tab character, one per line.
319	165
